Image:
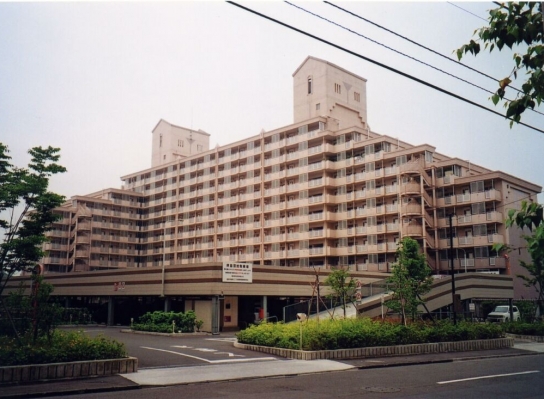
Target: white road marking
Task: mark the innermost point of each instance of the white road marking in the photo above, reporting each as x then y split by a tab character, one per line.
222	339
183	346
228	353
210	361
204	349
488	376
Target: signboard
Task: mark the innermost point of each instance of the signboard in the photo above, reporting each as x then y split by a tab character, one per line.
119	286
237	272
472	307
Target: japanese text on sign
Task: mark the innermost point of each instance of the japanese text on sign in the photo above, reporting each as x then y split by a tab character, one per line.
237	272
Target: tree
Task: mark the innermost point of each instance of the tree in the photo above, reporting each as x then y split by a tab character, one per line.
342	286
530	216
26	209
37	315
410	279
517	25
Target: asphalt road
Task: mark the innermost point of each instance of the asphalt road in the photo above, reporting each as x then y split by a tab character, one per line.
497	378
155	351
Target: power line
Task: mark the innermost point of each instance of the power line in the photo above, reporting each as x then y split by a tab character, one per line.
422	46
379	64
467	11
390	48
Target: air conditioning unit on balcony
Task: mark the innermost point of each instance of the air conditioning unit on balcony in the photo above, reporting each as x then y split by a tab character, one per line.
492	261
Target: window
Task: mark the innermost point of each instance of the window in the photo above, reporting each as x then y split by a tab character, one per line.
164	157
357	96
428	156
160	140
180	143
309	85
199	147
481	252
477	187
317	106
337	88
480	230
478	208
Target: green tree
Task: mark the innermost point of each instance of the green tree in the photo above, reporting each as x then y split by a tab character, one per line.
342	287
530	216
515	25
37	315
25	209
410	279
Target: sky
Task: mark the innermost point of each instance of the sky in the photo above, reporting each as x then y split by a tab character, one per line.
95	78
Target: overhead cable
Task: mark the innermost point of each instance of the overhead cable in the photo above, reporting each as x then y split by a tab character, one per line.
390	48
419	45
379	64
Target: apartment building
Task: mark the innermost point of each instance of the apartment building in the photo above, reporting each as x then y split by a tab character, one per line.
324	191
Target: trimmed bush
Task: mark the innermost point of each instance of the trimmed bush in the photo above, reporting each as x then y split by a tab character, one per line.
524	328
63	346
162	322
361	333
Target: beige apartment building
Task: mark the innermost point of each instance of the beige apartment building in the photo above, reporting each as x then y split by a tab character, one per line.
324	191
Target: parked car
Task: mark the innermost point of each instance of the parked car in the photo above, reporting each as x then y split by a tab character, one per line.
501	314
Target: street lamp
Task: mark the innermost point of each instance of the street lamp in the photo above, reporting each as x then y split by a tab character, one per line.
465	254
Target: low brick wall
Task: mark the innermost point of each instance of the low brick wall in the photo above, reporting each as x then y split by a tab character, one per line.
381	351
533	338
53	371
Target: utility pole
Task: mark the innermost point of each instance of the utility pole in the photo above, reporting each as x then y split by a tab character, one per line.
452	271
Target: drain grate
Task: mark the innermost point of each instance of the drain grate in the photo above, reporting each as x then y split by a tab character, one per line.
381	389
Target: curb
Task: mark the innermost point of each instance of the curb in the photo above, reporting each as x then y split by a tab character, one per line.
67	370
69	392
176	335
383	351
532	338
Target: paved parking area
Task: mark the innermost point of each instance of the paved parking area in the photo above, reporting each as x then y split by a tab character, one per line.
155	351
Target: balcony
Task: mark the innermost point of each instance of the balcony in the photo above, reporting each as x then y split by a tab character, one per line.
473	264
446	180
410	188
463	198
411	209
412	167
412	230
446	201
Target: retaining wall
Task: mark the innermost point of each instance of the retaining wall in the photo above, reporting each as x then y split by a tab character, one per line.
381	351
533	338
53	371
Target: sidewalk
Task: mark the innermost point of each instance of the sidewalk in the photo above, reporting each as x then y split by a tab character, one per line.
226	372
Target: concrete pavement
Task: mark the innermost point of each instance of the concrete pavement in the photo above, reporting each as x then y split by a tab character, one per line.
250	370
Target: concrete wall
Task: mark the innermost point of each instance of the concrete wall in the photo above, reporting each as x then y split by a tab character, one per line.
324	76
203	311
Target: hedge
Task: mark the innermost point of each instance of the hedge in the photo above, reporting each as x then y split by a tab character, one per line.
360	333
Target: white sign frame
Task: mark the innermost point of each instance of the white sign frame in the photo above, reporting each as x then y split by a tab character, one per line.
234	272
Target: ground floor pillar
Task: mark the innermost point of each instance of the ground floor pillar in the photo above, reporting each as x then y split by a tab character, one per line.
111	311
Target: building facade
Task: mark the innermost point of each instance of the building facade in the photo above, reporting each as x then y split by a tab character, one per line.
325	191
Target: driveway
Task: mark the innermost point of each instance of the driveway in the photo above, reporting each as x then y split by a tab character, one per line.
155	351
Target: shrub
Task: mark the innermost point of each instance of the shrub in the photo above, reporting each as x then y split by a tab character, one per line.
524	328
63	346
162	322
360	333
